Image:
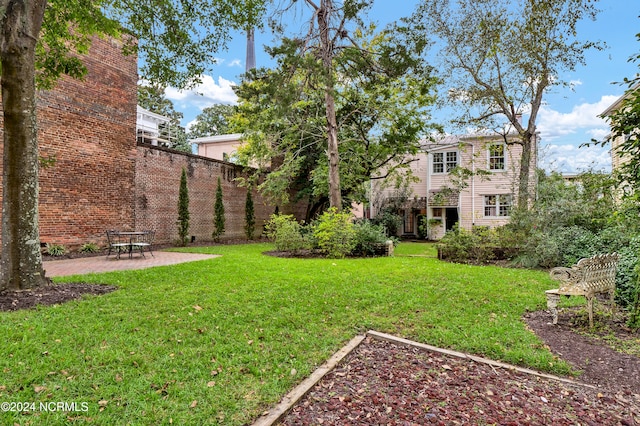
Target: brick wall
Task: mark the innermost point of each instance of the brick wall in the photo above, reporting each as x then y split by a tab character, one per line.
99	179
158	172
87	127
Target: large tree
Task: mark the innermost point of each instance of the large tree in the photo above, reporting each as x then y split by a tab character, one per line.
379	95
213	120
500	57
40	40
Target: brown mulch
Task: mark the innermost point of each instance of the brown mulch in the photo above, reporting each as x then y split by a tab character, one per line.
381	383
49	295
384	383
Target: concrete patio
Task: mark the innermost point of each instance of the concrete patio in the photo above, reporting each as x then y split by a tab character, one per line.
86	265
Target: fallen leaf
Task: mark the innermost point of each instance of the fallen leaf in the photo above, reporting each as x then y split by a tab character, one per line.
193	404
294	371
38	389
211	384
446	367
103	403
197	308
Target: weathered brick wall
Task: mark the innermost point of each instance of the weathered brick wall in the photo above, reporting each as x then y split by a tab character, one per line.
99	179
158	172
87	127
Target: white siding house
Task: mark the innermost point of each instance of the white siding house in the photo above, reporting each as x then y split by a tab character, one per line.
470	180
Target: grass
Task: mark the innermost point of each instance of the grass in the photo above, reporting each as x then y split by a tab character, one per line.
219	341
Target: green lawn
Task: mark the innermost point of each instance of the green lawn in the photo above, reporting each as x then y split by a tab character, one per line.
222	340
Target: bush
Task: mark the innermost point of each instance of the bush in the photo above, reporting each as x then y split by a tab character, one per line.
390	220
286	233
368	238
56	249
462	246
335	233
89	248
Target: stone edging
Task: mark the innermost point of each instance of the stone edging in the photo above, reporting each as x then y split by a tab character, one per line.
274	415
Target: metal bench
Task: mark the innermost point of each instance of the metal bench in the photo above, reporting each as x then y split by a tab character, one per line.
589	277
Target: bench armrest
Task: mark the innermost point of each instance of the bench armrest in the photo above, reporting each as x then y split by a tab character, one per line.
570	277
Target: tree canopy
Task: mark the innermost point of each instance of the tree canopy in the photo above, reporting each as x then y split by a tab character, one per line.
500	57
40	41
381	92
213	120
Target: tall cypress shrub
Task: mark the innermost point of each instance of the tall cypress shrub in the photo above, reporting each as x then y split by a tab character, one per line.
249	216
183	209
218	221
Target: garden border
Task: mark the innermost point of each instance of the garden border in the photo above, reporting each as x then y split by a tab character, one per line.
276	414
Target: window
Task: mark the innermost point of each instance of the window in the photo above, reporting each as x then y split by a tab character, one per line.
497	205
444	161
496	157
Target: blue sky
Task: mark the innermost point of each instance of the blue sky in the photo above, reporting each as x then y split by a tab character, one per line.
568	118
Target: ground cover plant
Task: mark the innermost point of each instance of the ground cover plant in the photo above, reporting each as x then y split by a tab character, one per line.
222	340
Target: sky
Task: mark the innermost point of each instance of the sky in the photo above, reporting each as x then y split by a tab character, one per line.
568	118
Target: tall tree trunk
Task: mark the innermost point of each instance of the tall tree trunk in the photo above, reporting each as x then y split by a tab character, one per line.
324	14
525	171
21	260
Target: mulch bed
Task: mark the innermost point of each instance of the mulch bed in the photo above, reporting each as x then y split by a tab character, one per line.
381	383
49	295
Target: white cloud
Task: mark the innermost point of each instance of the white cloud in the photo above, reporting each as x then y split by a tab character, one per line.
205	94
555	126
235	63
571	159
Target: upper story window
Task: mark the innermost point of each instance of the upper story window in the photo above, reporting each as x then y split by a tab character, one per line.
444	161
497	156
497	205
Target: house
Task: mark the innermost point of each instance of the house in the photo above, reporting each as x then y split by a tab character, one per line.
469	180
219	147
152	128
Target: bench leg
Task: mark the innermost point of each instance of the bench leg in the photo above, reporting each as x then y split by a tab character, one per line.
552	305
590	308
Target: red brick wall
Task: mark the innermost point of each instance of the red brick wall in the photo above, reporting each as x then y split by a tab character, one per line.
158	174
88	128
101	180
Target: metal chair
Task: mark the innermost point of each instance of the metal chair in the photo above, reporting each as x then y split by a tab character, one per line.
116	243
143	242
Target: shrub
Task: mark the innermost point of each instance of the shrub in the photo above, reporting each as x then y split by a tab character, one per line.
249	216
218	220
285	232
56	249
89	248
477	246
335	233
390	220
368	238
183	209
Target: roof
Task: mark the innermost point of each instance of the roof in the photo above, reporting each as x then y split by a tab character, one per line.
232	137
146	114
616	105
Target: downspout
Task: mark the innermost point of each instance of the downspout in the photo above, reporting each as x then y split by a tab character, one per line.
473	185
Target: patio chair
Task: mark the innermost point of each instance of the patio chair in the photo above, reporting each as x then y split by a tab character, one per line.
143	242
116	243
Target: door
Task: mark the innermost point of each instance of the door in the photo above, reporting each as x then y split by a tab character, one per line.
451	218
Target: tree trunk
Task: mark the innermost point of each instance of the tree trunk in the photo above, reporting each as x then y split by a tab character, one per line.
525	169
21	260
332	125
